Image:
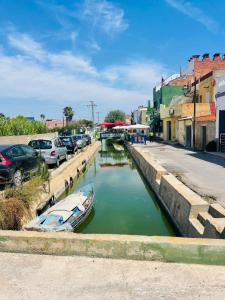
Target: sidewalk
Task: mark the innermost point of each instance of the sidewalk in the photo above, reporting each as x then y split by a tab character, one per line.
29	276
203	172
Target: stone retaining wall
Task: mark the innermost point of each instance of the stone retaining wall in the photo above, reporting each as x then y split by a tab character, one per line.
193	216
24	139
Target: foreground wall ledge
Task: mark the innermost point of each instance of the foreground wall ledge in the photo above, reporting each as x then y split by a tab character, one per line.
167	249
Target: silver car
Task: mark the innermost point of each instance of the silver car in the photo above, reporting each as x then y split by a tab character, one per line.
52	150
80	141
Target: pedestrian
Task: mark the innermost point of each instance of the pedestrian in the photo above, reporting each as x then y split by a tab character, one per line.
151	135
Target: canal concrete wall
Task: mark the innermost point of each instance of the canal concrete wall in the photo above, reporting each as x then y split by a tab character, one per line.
192	215
25	139
167	249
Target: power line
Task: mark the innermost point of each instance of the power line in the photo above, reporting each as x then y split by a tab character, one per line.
98	113
92	105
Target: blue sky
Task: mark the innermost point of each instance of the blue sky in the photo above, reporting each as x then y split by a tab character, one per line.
55	53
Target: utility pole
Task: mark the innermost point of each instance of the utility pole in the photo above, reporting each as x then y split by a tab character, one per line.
92	105
194	100
98	113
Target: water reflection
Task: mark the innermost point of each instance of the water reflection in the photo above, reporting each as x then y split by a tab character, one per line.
123	204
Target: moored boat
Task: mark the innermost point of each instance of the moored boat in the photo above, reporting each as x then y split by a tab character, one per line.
67	214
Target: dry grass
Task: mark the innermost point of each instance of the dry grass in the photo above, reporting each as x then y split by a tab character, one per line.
16	203
12	212
27	193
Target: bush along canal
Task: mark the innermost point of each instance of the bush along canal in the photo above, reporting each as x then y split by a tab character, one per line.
123	203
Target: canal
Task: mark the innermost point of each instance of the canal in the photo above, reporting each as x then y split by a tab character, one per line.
123	202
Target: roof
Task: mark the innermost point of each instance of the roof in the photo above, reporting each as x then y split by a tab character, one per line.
5	146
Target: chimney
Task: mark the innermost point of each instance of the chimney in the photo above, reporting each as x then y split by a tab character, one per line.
205	57
193	58
216	56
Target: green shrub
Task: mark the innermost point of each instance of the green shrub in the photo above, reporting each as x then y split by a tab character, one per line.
21	126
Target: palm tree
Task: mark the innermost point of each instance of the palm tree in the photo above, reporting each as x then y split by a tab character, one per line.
42	116
68	113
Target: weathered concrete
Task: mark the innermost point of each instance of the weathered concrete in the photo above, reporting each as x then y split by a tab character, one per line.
25	139
181	202
167	249
192	215
34	277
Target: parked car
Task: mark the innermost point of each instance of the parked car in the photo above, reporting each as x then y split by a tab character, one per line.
17	162
53	151
87	138
81	143
70	142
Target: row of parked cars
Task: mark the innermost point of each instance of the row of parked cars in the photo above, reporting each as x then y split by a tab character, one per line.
18	162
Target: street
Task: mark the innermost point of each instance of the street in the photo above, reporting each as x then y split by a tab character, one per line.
204	173
28	276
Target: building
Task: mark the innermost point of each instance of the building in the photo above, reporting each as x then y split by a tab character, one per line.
163	94
140	115
54	123
178	117
201	66
177	111
220	114
128	119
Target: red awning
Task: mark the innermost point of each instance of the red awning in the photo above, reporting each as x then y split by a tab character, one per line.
105	124
119	123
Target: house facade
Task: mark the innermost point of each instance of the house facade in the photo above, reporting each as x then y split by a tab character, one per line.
220	114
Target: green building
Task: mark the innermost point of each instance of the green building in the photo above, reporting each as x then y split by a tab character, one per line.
164	94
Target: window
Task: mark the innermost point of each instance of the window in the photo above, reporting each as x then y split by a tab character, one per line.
28	150
16	151
200	98
41	144
207	97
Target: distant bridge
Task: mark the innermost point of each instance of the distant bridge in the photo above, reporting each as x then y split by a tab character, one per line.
106	135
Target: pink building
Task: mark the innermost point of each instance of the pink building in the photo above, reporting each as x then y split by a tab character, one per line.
54	123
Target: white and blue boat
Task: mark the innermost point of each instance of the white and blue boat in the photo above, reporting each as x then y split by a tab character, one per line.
67	214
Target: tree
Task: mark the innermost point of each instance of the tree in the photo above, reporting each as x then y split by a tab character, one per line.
2	115
115	115
42	116
68	113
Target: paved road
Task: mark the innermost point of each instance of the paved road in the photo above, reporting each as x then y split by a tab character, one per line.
33	277
202	172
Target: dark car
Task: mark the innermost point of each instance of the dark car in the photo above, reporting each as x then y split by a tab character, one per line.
70	143
87	138
17	162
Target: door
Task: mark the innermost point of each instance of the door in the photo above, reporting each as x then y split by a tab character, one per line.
169	130
18	158
188	136
203	138
222	130
32	158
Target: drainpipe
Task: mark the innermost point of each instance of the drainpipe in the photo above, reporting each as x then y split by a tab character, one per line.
194	100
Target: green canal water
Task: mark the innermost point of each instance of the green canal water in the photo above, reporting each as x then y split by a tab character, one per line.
123	202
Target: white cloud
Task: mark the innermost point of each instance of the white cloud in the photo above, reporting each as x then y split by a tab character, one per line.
104	15
26	44
139	75
40	75
195	13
